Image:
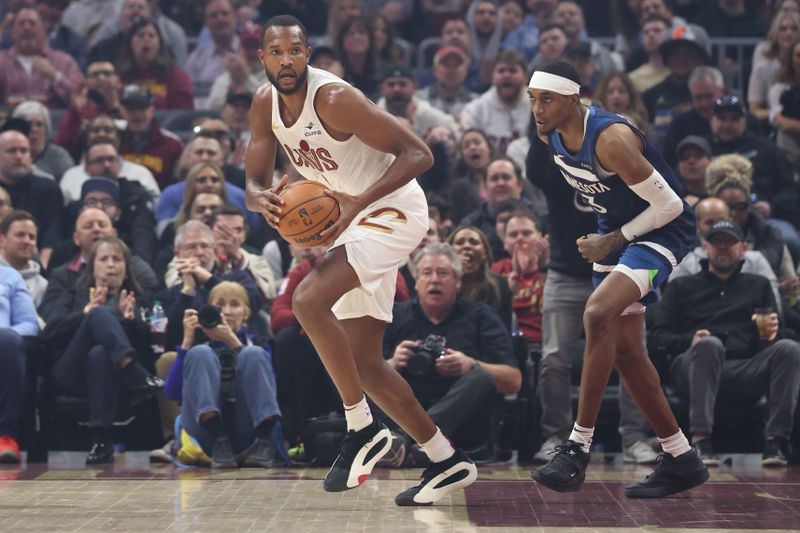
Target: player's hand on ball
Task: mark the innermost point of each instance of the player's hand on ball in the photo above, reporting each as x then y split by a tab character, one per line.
594	247
270	202
349	207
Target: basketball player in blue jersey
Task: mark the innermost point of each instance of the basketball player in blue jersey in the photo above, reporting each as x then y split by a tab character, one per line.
334	135
644	230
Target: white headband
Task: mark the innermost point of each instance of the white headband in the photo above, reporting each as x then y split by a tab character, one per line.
553	82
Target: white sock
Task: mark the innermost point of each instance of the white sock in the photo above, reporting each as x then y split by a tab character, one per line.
675	445
438	448
358	416
582	436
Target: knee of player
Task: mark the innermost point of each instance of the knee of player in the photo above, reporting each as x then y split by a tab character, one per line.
303	299
597	316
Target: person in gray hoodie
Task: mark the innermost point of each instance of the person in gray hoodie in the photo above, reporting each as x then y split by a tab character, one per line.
18	234
503	111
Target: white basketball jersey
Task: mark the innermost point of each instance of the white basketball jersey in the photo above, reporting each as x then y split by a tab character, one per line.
348	166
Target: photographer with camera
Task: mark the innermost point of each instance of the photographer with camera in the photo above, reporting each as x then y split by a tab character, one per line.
225	382
454	353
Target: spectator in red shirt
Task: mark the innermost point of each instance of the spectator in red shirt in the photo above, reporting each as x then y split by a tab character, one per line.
99	94
31	70
530	252
143	141
145	60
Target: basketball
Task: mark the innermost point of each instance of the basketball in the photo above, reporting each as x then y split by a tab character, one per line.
308	211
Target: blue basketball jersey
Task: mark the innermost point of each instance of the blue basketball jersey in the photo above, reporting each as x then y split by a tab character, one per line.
611	198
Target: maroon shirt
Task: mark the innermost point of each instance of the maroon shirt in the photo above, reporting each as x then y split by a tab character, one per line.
159	155
173	91
528	300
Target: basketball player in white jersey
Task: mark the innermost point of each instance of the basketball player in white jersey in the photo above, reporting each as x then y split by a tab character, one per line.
334	135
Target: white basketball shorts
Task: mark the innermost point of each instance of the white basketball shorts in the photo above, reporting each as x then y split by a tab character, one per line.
377	242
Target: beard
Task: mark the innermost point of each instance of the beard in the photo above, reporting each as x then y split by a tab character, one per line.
398	106
724	265
301	79
18	172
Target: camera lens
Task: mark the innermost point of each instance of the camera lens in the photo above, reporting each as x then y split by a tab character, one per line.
209	317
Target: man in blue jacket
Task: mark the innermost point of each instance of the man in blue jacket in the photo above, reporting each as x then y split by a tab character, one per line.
17	320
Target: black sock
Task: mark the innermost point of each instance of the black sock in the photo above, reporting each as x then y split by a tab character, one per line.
133	376
264	429
214	426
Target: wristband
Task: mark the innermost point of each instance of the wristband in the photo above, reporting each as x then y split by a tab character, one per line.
188	291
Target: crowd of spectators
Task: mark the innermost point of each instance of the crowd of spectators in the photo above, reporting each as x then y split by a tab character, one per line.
122	140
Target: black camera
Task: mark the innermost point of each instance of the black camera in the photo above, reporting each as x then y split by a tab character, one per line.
227	376
424	356
209	317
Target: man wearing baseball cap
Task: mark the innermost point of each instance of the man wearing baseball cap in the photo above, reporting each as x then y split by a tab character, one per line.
397	87
143	140
773	175
693	155
448	93
126	202
708	320
688	47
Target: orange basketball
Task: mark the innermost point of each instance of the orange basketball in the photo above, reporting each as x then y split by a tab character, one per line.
307	212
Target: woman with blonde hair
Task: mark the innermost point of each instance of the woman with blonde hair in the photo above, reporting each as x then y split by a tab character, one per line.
204	176
729	178
784	28
339	11
224	379
784	101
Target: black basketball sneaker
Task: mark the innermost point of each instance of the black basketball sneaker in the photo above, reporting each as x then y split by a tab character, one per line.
360	452
566	471
671	475
439	480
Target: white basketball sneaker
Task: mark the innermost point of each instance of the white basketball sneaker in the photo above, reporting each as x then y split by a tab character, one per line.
360	452
439	480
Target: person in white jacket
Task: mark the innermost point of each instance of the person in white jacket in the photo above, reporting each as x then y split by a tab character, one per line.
503	111
18	234
72	180
397	89
230	231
